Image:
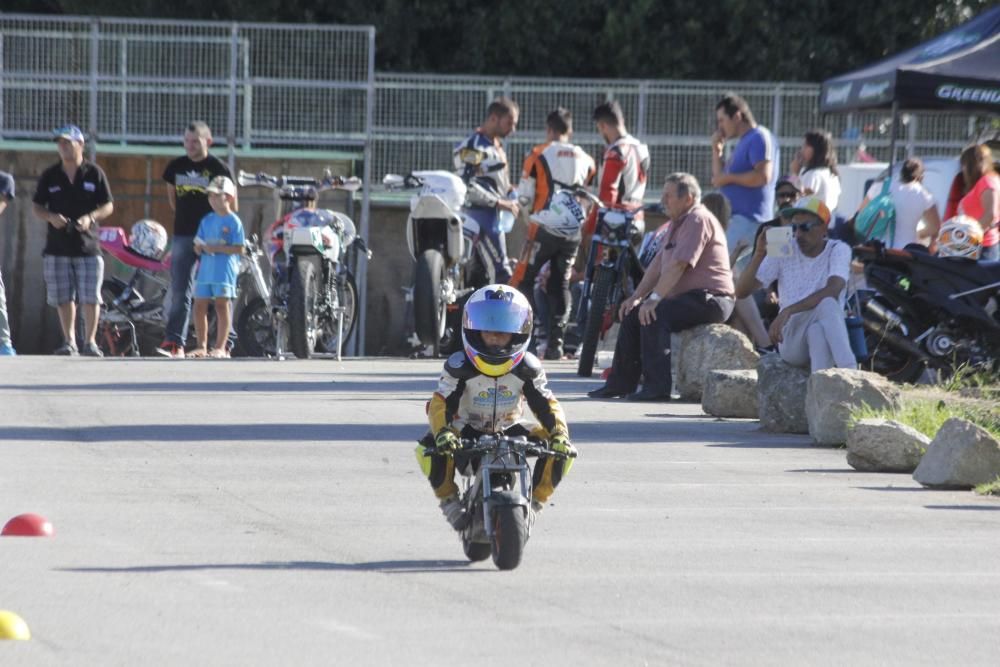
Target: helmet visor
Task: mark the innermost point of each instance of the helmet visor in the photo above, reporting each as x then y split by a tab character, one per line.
497	315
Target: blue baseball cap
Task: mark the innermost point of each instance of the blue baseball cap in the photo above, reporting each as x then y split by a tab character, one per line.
71	132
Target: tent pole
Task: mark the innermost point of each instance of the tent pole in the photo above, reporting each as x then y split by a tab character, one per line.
892	136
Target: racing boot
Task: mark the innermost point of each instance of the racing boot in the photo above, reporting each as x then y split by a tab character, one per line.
454	512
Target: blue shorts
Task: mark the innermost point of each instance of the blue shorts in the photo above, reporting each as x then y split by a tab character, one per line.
741	228
214	291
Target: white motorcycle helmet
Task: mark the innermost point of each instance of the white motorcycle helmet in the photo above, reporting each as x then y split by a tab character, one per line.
149	239
960	236
497	308
563	216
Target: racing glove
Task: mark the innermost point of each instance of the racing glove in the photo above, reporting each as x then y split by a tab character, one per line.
447	441
560	443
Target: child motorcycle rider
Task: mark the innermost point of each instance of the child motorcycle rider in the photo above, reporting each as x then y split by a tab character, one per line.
483	390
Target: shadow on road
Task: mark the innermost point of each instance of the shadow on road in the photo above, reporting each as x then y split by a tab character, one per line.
986	508
385	567
324	386
219	432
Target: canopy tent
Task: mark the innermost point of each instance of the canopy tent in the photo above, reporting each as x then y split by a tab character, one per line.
958	70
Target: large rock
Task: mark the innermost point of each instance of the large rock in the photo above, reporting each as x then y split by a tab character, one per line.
730	394
833	394
884	445
781	395
705	348
961	456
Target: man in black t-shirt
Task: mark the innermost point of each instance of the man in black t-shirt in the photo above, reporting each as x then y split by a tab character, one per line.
72	198
187	177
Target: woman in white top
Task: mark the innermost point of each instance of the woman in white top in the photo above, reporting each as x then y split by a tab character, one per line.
814	167
913	203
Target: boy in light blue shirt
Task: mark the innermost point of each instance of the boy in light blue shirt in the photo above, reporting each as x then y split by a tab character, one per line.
219	244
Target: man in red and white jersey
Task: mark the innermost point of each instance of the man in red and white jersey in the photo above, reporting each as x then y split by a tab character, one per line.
625	164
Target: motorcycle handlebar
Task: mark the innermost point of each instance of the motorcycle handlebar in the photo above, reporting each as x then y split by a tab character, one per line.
487	442
328	182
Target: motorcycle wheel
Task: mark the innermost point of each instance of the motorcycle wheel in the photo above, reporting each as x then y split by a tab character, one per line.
429	309
510	533
114	340
254	330
600	292
349	298
302	317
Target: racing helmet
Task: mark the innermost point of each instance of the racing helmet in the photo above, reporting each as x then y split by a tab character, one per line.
149	239
960	236
502	309
563	216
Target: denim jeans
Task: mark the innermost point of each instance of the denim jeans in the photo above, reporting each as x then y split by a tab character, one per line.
182	263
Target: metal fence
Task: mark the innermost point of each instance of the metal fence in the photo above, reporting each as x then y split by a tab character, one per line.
141	81
419	119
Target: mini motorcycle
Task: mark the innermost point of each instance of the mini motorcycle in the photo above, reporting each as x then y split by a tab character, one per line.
313	298
497	495
927	311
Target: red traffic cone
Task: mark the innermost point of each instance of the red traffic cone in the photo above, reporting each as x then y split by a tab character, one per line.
27	525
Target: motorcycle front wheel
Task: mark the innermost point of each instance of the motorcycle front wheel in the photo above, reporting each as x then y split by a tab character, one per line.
600	293
254	330
302	297
429	307
510	533
348	298
888	360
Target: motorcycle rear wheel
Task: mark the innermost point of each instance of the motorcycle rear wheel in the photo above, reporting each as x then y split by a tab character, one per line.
600	292
114	339
889	361
510	533
475	551
429	308
302	297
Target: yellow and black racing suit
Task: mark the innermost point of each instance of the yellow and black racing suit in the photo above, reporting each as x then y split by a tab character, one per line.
471	404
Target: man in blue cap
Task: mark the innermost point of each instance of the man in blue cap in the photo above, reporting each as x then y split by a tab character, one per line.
72	198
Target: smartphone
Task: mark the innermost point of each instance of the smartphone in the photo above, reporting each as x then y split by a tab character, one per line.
779	241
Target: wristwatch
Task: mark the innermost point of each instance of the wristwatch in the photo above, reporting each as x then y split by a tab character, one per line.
653	296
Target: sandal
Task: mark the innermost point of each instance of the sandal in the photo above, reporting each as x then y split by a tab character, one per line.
197	353
218	354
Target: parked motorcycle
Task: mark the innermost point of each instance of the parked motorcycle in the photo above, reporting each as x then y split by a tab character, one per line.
927	311
313	299
441	239
613	262
497	495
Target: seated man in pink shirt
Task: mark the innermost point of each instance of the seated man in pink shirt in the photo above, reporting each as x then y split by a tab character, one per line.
688	283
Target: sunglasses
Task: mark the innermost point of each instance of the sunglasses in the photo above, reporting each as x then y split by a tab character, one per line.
786	195
805	227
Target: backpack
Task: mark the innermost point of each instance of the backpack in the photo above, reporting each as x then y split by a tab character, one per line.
877	220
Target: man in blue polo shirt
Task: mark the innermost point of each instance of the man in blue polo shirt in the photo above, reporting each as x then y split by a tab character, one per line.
747	179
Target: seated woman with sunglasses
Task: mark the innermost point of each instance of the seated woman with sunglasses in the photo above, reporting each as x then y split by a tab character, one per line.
809	329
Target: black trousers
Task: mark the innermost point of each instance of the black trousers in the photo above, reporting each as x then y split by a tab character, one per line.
561	252
644	351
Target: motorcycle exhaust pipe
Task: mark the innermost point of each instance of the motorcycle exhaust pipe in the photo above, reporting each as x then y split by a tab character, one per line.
895	340
893	320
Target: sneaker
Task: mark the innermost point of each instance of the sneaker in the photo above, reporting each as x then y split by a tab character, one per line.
7	350
66	350
91	350
454	512
171	350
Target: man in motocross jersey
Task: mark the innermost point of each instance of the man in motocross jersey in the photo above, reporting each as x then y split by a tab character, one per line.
481	159
624	166
483	390
554	230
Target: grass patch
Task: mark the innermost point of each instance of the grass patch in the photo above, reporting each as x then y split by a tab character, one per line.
927	415
990	488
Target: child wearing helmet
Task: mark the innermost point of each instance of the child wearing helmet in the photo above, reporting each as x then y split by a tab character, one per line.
483	390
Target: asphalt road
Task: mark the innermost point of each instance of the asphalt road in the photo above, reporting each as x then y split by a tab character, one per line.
272	513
